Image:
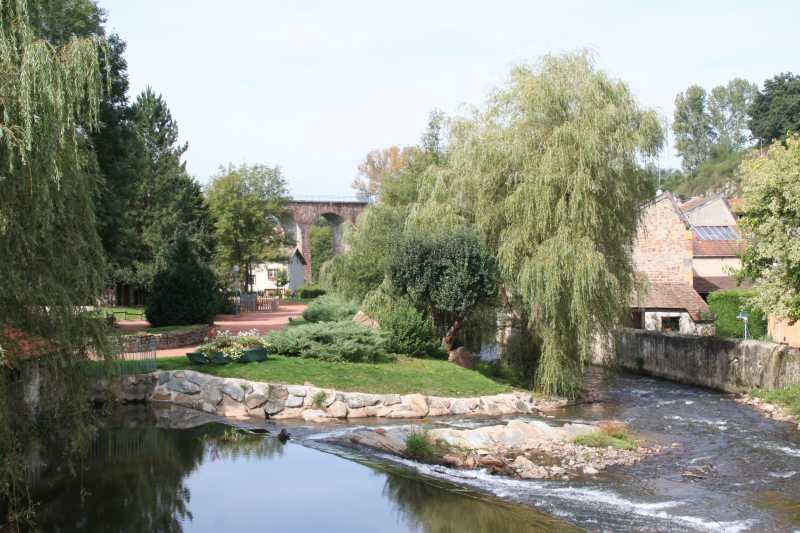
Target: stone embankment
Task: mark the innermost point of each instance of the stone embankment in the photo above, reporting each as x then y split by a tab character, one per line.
238	398
528	450
776	412
735	366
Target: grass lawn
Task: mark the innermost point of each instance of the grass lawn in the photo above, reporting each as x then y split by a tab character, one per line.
788	397
406	375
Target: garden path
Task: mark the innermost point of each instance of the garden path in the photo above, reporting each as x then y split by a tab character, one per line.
263	322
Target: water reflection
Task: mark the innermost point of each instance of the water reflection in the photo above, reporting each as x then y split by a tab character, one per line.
211	478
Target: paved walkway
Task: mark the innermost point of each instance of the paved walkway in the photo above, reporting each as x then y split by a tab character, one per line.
262	322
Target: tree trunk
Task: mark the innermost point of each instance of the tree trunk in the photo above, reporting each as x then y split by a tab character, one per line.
450	337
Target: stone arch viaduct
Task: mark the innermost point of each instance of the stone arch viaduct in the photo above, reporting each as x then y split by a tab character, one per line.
302	213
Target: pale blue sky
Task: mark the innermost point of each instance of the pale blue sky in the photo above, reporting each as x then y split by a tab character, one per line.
313	86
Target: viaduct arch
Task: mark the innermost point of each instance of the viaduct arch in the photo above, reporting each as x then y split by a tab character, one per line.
304	212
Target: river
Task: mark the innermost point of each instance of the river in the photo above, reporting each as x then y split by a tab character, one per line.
726	469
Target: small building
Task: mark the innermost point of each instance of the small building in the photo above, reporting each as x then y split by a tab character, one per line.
663	256
265	275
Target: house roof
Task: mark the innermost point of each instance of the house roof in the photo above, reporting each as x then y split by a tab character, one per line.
299	254
717	248
674	296
666	195
707	284
694	203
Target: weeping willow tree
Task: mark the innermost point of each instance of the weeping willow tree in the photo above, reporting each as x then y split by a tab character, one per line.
548	175
51	260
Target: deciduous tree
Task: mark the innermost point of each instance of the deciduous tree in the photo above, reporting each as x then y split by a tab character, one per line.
548	173
247	202
771	224
776	109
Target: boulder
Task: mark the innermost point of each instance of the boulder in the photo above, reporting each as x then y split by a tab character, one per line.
295	401
463	406
256	400
296	390
273	407
234	390
315	415
338	409
462	357
183	386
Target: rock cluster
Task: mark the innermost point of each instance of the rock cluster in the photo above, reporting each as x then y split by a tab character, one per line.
776	412
238	398
528	450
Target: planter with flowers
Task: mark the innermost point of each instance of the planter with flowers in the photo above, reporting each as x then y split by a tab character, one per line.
246	347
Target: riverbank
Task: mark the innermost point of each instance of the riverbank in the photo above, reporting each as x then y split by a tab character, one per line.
241	399
403	375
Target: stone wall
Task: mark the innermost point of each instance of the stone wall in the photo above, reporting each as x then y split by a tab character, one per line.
238	398
728	365
179	339
663	245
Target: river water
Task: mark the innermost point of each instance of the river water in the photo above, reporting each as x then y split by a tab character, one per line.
726	468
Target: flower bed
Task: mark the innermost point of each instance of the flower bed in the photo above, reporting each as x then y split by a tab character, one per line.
246	347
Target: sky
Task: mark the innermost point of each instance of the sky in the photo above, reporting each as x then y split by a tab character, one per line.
312	86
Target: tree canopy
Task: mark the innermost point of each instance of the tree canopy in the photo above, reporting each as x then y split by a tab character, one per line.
447	275
548	174
771	224
52	259
247	203
776	109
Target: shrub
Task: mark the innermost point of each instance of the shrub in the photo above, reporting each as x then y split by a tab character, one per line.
329	341
609	433
309	292
184	291
406	329
726	305
419	446
329	308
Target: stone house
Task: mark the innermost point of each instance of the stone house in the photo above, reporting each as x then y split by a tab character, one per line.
663	255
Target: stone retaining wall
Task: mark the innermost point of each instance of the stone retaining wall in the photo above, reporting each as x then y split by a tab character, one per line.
238	398
728	365
165	341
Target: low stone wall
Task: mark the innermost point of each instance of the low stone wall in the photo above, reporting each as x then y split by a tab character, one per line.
238	398
728	365
183	338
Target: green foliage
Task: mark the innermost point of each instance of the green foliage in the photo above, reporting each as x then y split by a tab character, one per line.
692	128
788	397
520	359
328	341
447	275
718	173
319	399
776	109
362	268
309	292
329	308
705	125
246	203
321	237
419	446
51	257
726	305
282	279
408	331
549	175
771	224
609	435
184	291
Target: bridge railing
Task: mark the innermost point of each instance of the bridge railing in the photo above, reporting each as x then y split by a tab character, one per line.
329	198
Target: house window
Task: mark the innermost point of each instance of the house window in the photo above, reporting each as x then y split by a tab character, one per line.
272	274
671	323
